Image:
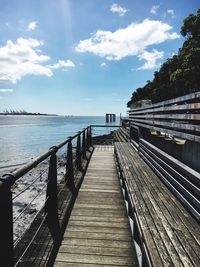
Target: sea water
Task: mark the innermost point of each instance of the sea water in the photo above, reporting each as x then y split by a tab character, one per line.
24	137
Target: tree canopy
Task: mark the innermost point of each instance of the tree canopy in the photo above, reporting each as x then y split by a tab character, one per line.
180	74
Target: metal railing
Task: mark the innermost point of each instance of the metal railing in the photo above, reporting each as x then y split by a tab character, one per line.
53	211
183	181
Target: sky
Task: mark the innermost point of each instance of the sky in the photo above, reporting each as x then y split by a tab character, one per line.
84	57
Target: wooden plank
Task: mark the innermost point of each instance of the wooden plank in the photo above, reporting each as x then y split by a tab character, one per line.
107	224
168	197
183	107
150	234
164	231
99	219
95	259
182	135
183	117
100	181
171	225
99	206
177	229
180	119
116	192
167	221
178	165
97	187
98	229
126	252
69	264
97	213
98	243
185	98
179	187
105	196
98	232
98	199
106	172
166	124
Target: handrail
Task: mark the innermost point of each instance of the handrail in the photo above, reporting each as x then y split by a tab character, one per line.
84	142
15	175
102	125
78	148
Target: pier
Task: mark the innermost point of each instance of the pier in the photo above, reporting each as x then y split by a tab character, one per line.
134	202
110	117
98	232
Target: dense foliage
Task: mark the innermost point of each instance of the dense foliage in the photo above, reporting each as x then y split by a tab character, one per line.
180	74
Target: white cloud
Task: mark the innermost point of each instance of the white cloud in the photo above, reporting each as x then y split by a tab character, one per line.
151	59
6	90
23	57
103	65
130	41
115	8
170	12
32	25
154	9
62	64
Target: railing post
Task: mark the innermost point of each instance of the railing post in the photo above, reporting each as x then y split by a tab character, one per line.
90	135
78	152
89	138
84	145
51	205
6	221
69	177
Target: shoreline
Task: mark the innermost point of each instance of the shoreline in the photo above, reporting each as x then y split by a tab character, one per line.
28	114
30	190
104	139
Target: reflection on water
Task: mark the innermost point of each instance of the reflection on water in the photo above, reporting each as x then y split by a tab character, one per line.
25	137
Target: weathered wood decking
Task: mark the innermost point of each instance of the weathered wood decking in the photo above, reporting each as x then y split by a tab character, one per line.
98	233
167	229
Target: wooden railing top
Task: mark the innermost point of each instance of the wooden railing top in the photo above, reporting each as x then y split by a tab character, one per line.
179	117
177	100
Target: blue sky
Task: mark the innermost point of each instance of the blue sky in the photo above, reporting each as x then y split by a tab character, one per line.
84	57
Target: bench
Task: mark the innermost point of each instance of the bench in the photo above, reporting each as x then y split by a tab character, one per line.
166	233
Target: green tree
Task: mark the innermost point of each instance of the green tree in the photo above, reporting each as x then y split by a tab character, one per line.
179	75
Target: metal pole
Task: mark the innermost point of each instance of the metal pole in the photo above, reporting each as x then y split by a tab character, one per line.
90	135
51	206
88	139
78	152
6	221
84	145
69	177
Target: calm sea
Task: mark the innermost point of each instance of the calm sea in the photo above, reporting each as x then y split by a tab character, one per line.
25	137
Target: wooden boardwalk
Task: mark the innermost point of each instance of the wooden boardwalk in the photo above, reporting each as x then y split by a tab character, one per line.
98	233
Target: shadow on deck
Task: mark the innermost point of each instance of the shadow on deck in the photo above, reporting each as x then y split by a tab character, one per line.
98	232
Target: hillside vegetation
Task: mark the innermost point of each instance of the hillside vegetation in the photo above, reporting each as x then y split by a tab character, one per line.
180	74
